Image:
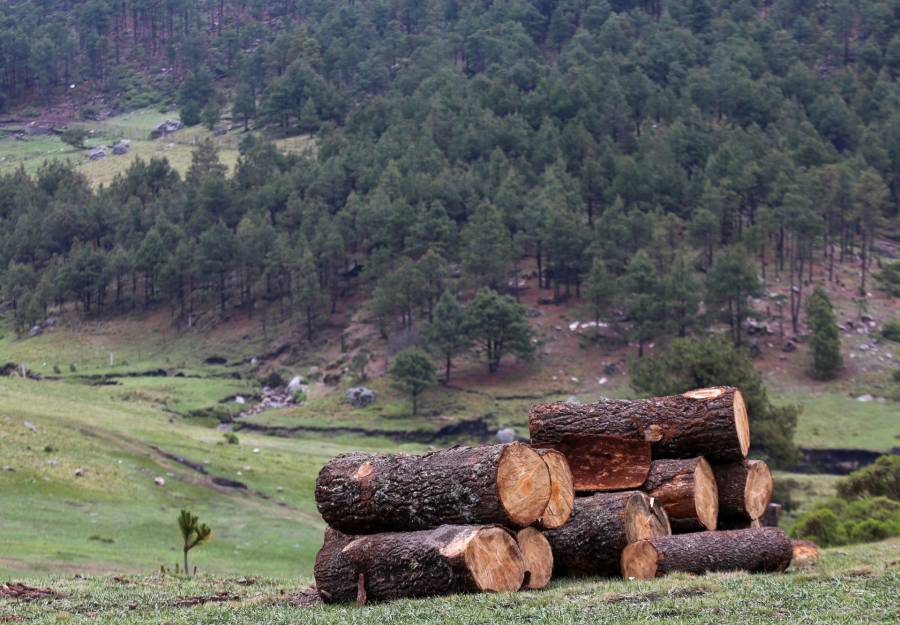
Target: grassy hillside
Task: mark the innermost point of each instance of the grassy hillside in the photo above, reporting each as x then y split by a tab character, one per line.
852	585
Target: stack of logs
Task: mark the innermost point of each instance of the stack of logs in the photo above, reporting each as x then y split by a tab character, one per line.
662	485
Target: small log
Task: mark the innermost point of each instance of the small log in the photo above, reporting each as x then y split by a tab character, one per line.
754	550
805	553
687	490
538	558
446	560
772	515
600	527
362	493
709	422
336	579
745	489
562	492
601	463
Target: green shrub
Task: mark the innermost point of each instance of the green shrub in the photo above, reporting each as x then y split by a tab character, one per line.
299	397
822	526
879	479
273	379
895	376
889	278
231	438
89	113
870	530
891	330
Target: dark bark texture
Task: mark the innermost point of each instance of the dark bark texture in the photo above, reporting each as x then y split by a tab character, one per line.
362	493
732	481
677	485
334	572
754	550
591	542
680	426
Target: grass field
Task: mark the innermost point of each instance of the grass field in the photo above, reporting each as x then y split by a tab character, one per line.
850	585
32	151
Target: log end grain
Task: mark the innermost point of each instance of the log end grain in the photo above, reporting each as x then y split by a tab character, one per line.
645	518
758	489
523	484
639	560
804	553
706	494
562	490
538	557
741	418
493	559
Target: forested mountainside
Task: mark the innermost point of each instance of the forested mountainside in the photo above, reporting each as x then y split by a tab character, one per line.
658	158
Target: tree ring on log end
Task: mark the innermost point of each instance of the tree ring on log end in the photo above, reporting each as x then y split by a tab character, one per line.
741	422
562	490
758	489
706	494
538	557
639	560
523	484
495	561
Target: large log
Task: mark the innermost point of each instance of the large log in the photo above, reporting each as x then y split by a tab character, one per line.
600	527
538	558
601	463
446	560
562	492
755	550
687	490
363	493
709	422
745	489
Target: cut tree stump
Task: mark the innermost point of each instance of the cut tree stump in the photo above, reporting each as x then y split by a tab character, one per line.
805	553
445	560
362	493
745	489
687	490
562	492
601	463
600	527
538	558
336	579
754	550
709	422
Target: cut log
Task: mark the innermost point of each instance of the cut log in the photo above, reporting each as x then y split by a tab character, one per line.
336	579
600	527
445	560
772	515
363	493
805	553
687	490
601	463
562	492
754	550
538	558
745	489
709	422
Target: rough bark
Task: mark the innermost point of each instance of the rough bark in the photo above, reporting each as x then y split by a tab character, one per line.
562	492
805	553
600	527
362	493
601	463
754	550
445	560
335	576
708	422
686	489
538	558
745	489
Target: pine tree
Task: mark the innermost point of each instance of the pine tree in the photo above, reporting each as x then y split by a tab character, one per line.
193	533
446	333
601	290
500	325
413	372
825	343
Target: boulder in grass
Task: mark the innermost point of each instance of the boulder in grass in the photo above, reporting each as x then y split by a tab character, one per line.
296	384
97	154
122	146
360	396
505	435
